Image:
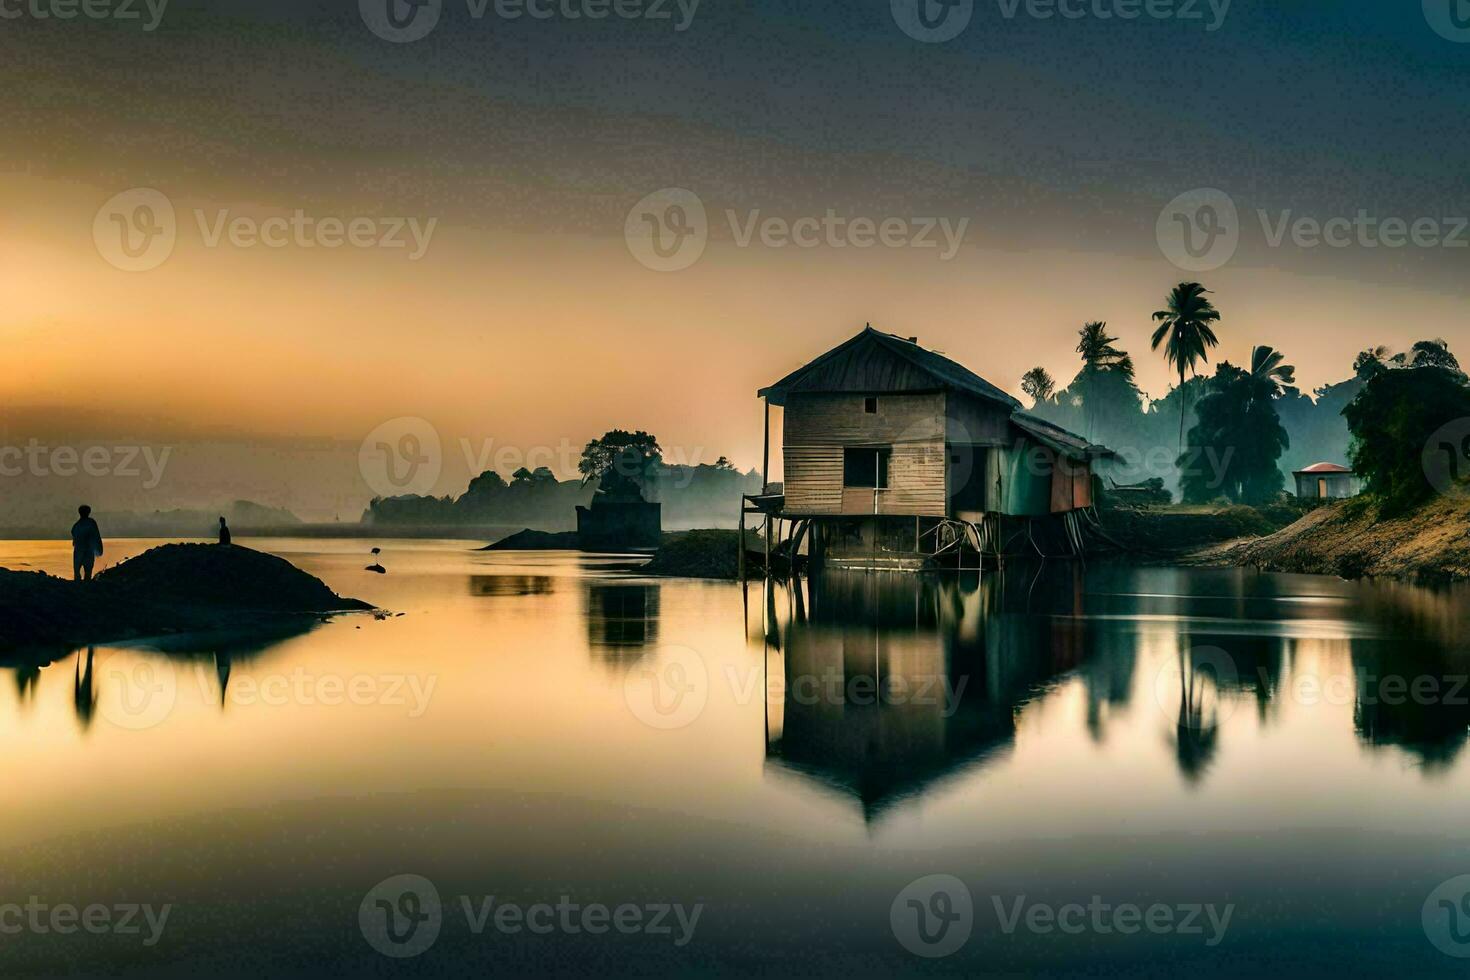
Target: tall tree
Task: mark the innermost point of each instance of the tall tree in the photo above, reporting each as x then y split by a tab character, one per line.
1394	420
1185	323
1369	362
1038	385
1269	376
1434	353
1238	438
1104	367
623	462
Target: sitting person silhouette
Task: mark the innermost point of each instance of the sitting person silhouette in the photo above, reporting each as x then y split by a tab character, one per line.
224	532
86	545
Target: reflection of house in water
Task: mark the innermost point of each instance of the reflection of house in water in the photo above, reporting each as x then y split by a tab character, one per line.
896	682
510	585
622	621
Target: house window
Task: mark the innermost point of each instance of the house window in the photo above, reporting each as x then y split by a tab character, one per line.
870	406
865	468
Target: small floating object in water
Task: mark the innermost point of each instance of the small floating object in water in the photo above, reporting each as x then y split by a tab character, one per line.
376	568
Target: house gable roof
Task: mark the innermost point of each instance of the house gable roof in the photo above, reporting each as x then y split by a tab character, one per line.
877	362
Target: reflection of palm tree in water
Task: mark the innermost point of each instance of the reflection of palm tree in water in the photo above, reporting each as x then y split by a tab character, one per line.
27	676
84	690
222	671
1195	738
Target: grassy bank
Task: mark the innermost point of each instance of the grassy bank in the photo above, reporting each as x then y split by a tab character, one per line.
1171	530
1354	538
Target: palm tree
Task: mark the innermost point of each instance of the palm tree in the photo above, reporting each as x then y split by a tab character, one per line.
1269	377
1185	321
1098	356
1096	347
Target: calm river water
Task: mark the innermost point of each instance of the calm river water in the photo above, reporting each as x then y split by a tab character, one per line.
546	765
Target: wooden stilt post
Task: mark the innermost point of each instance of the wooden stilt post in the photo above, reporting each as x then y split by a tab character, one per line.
766	450
769	529
740	555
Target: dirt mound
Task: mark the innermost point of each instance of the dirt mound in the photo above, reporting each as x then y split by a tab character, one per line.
171	589
1352	539
233	577
529	540
698	554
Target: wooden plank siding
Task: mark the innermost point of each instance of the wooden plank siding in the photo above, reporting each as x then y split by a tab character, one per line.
976	422
813	479
818	427
839	420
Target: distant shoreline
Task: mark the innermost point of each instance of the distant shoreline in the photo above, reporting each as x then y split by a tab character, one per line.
334	530
484	533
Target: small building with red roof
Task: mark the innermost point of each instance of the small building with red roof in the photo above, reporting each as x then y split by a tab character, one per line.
1327	481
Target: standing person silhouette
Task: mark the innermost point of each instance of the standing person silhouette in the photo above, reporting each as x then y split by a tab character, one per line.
86	545
224	532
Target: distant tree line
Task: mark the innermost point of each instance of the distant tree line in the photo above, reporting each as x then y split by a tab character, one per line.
1238	434
620	463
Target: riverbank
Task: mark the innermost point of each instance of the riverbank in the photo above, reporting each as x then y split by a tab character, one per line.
1170	531
175	588
1353	539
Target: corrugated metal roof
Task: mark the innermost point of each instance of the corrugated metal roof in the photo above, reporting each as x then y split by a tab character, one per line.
876	362
1325	468
1056	437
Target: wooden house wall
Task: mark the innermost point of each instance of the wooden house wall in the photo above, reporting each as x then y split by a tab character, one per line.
976	421
818	428
1022	477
